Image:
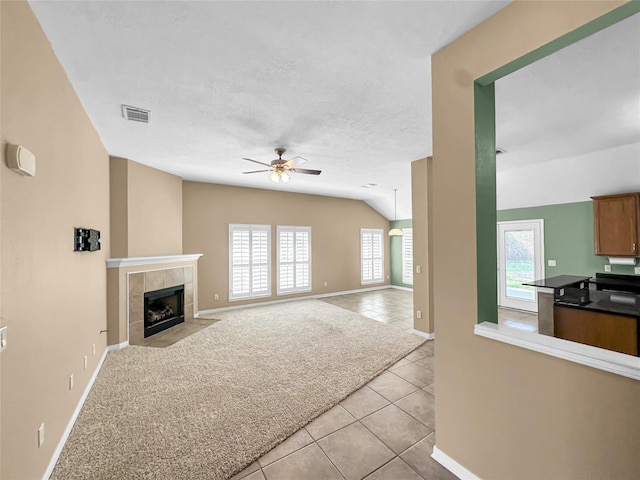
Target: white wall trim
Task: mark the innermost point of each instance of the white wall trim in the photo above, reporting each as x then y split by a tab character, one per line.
428	336
118	346
133	261
607	360
285	300
398	287
450	464
74	417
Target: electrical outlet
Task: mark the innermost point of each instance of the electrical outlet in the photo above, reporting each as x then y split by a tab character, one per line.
636	270
325	284
418	313
551	263
86	362
41	435
216	296
607	268
71	382
93	349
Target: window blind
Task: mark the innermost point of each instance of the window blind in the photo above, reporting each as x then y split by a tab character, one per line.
294	259
372	258
249	261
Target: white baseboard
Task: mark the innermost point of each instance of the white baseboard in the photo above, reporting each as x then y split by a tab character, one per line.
286	300
450	464
399	287
74	417
118	346
428	336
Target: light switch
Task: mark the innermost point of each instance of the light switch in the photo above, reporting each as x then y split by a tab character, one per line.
418	269
3	338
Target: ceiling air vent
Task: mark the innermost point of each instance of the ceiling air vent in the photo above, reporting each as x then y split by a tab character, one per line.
136	114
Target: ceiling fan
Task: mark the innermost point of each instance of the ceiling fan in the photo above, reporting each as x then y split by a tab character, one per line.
280	169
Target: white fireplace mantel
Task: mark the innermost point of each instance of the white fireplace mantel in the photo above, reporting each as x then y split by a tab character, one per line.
134	261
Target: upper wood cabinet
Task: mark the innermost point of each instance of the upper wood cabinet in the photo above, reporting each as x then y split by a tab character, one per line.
616	221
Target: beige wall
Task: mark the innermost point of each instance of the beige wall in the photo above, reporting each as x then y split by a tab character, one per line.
504	412
146	210
335	228
53	299
421	173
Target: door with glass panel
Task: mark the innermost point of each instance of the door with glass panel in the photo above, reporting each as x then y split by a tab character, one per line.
520	260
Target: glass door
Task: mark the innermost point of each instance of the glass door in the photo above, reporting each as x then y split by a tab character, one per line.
520	260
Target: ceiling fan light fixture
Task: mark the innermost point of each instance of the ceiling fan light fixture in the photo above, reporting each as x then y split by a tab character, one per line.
278	176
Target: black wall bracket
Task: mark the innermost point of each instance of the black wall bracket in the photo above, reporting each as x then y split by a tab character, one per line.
86	240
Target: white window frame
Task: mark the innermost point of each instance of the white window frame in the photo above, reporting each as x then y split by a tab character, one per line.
282	229
251	229
407	261
374	259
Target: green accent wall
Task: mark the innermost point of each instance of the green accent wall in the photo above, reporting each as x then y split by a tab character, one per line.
568	238
396	253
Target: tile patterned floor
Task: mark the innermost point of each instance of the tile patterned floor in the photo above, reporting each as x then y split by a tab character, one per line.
519	319
384	431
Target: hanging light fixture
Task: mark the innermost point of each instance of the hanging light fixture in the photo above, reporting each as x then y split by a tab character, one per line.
395	232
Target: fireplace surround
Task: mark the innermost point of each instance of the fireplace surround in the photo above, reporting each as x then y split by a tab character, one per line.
128	279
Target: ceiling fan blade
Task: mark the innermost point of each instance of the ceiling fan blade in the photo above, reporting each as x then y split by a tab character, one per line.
258	171
292	162
306	170
256	161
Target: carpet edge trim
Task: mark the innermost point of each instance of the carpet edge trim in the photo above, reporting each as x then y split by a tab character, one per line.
377	374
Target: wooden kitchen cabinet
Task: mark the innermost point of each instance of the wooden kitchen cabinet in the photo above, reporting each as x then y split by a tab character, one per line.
616	221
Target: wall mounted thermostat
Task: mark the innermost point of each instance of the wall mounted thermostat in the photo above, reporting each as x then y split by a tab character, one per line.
21	160
86	240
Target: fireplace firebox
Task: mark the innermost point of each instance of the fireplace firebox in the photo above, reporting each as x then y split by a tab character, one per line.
163	309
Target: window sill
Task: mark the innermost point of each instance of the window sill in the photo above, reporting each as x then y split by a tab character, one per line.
607	360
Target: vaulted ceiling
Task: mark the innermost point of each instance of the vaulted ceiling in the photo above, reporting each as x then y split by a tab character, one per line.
344	84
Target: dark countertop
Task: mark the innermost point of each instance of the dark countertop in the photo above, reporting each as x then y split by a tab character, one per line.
612	281
617	303
560	281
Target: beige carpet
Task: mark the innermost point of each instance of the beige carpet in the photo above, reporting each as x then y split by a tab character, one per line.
212	403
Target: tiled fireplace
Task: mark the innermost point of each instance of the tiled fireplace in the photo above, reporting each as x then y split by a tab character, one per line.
129	281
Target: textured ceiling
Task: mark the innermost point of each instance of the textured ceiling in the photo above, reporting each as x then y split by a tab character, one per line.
344	84
581	99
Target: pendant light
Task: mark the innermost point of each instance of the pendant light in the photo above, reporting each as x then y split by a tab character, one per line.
395	232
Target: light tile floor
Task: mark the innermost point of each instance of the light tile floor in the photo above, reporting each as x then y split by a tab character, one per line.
384	431
519	319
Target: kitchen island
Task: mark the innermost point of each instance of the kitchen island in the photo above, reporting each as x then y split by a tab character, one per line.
603	312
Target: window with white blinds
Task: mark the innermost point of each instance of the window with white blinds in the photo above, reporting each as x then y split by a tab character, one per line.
249	261
294	259
407	256
371	254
